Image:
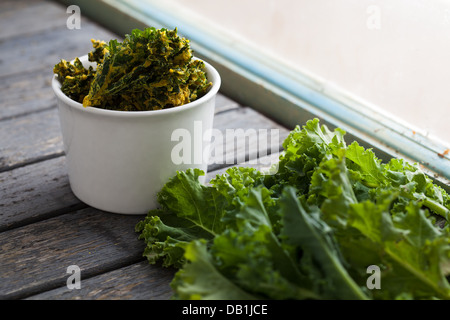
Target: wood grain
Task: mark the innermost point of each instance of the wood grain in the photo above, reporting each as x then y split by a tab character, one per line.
35	192
35	257
29	139
139	281
37	16
24	93
243	136
43	50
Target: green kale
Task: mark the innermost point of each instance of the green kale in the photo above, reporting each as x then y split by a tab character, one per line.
310	231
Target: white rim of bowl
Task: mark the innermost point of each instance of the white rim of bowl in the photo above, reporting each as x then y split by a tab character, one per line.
212	76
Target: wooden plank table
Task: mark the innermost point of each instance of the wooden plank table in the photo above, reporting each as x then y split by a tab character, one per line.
44	228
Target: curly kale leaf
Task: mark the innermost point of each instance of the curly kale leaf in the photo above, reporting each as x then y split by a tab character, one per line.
310	231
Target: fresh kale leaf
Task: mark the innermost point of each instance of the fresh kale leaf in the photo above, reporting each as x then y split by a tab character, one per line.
309	231
200	279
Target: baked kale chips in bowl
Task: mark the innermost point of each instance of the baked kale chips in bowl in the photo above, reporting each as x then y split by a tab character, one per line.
133	113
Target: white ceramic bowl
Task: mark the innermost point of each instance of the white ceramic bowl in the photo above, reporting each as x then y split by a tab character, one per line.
117	161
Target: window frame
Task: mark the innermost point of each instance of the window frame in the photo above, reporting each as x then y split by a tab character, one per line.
262	82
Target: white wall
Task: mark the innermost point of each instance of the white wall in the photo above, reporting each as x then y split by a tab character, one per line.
393	53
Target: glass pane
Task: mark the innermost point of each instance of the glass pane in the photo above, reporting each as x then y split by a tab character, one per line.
394	54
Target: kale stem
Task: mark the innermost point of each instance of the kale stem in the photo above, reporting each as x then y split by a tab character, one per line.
430	204
436	207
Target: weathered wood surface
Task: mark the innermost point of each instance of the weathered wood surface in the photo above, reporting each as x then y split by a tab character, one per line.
44	228
35	192
139	281
35	257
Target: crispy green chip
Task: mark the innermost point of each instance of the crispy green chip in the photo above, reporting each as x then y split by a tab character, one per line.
151	69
